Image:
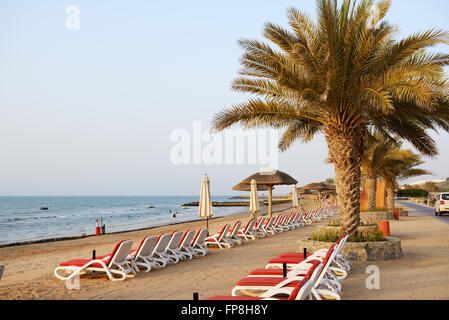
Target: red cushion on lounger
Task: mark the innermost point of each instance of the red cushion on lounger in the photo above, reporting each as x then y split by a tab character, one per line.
286	260
265	281
294	255
268	272
80	263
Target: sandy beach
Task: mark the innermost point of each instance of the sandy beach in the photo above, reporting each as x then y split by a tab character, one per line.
29	268
419	274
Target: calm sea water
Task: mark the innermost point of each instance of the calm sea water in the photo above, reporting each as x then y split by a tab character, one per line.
21	219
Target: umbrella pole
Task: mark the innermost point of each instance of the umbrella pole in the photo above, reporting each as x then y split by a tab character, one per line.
270	200
207	225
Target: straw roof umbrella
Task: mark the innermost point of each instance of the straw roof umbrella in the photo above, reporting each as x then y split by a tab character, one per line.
205	205
320	187
254	205
269	179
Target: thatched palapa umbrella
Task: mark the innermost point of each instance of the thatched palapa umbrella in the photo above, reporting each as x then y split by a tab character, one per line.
267	178
320	187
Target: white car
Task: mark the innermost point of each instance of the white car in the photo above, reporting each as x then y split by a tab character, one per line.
442	204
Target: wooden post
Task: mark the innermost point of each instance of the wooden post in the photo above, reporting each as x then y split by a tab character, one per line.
270	200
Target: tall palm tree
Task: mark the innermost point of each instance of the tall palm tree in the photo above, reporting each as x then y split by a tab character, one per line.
404	170
339	76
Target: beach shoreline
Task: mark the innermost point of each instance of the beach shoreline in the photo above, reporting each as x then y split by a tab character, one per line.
276	208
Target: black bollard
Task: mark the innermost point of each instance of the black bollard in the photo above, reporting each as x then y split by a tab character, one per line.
305	253
196	296
284	270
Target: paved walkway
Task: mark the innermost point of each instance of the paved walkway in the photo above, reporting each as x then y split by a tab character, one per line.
422	272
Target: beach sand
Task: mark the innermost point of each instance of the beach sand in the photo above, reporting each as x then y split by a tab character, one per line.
420	274
29	268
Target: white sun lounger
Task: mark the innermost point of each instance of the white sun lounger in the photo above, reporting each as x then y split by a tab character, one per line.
254	285
199	244
159	252
268	226
233	235
219	239
143	255
276	225
248	231
185	245
115	263
259	228
172	250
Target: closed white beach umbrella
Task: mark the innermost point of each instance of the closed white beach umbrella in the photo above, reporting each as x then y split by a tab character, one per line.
295	197
205	205
254	205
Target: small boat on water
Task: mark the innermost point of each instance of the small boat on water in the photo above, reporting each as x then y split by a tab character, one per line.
184	207
43	208
149	206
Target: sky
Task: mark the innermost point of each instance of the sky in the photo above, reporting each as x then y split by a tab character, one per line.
93	110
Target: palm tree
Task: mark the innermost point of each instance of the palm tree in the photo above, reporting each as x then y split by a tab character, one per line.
381	153
341	75
330	180
404	170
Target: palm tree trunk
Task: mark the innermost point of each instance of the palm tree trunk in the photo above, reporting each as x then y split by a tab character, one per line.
345	151
371	186
390	195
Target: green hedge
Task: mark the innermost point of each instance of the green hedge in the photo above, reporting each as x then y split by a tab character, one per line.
413	193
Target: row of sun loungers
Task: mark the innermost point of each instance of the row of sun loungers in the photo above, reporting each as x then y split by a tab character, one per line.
153	252
254	229
315	276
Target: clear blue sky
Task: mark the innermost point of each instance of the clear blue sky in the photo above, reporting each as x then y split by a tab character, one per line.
90	111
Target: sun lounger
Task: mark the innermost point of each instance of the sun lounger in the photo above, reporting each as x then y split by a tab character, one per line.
199	244
219	239
172	250
285	222
233	234
255	285
159	252
325	285
301	291
185	245
143	255
258	229
276	225
292	260
340	261
268	226
115	263
248	231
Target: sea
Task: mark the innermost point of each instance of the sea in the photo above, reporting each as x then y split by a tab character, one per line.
21	219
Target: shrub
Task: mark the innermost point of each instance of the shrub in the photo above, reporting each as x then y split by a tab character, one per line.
376	210
412	193
336	223
333	236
